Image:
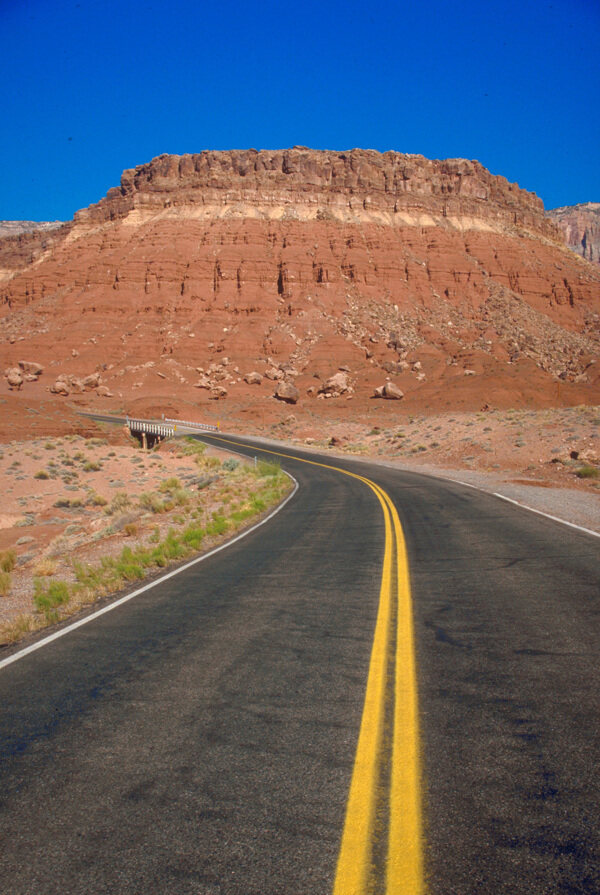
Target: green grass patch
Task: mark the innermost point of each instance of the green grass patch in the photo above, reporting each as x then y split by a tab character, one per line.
48	596
588	472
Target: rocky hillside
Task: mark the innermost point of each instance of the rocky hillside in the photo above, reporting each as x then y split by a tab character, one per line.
580	225
15	228
229	276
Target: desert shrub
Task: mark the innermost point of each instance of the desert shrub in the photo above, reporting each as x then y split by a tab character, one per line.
49	446
265	467
8	560
130	529
91	466
192	536
5	584
171	484
15	629
96	500
119	502
588	472
128	566
180	497
46	566
41	474
151	501
218	526
62	502
230	464
48	597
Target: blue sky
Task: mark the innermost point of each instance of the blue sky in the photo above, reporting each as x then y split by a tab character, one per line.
95	86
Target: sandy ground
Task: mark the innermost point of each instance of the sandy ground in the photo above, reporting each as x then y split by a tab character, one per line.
79	498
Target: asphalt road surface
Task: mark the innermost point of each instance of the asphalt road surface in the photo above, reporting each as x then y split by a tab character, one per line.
201	738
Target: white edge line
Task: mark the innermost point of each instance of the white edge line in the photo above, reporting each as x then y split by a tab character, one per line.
89	618
524	506
433	475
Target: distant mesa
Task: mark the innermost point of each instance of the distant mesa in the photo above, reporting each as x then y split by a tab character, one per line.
580	225
320	278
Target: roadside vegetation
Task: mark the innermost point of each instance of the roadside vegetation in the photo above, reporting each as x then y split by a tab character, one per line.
145	533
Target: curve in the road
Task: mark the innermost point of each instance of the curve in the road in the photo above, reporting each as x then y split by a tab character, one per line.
386	784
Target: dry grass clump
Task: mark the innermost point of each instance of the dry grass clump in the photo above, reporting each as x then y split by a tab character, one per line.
5	583
45	567
8	560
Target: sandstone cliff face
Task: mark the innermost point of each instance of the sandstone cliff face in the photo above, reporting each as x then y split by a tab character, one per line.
23	242
302	184
437	275
580	225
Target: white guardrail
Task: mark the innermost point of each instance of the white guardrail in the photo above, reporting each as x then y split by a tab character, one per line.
162	429
190	425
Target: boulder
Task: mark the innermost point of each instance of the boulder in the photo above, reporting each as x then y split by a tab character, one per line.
392	391
76	385
217	393
203	382
15	380
388	390
253	378
104	392
31	367
274	374
287	391
336	385
91	381
60	387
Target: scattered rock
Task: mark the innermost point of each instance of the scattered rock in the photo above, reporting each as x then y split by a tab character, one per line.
14	378
60	387
218	392
274	374
336	385
104	392
31	367
288	392
253	378
388	390
91	381
203	382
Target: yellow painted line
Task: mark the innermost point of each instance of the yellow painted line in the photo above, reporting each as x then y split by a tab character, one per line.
354	861
405	872
404	866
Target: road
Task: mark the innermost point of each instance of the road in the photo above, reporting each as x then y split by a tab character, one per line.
202	737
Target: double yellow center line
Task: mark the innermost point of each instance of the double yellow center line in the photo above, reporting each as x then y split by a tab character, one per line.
382	846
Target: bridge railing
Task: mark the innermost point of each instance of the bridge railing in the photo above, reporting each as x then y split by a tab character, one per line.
190	425
163	429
